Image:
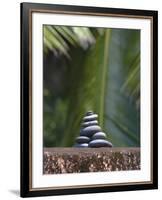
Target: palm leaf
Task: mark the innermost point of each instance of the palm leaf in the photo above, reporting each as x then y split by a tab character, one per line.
122	114
88	87
59	38
103	75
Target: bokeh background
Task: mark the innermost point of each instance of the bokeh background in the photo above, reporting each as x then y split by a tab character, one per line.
91	69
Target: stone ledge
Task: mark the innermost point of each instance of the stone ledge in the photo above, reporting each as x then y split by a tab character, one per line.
74	160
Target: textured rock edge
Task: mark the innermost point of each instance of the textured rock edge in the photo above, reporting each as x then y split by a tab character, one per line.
77	160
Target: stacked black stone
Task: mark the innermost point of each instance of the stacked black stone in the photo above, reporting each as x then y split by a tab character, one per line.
91	134
82	141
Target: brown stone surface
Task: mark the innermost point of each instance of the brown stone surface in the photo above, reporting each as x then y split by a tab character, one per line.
74	160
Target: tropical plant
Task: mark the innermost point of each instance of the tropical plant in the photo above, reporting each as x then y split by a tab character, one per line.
122	111
59	38
100	69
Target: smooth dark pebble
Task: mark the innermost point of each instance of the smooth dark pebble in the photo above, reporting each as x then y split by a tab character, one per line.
89	113
90	123
90	118
90	130
99	135
81	145
99	143
82	139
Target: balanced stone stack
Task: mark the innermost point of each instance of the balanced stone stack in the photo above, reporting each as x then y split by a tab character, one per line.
91	134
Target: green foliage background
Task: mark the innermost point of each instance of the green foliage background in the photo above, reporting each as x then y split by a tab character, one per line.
91	69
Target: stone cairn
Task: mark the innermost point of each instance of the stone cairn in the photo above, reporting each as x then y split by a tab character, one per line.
91	134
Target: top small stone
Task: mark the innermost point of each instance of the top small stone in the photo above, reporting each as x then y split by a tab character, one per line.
89	113
90	118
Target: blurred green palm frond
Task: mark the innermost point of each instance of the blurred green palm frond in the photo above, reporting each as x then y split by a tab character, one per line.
102	74
132	82
122	113
87	90
59	38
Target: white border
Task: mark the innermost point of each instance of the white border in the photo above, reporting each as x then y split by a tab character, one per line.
40	180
